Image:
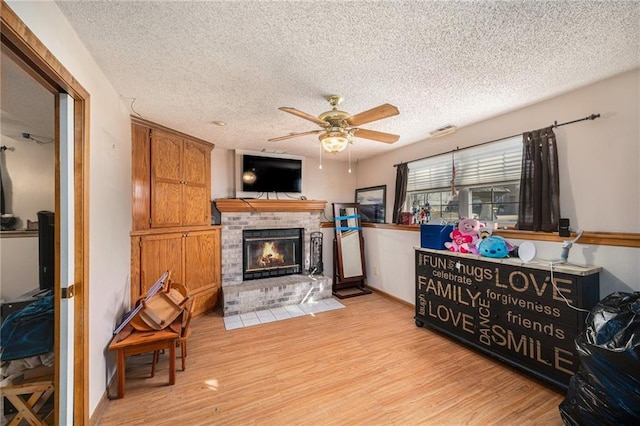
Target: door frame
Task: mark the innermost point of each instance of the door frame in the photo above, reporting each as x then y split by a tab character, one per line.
22	44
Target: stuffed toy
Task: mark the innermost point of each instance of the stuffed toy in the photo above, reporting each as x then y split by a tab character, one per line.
464	237
484	233
494	246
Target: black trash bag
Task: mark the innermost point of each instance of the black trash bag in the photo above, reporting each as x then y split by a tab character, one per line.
606	388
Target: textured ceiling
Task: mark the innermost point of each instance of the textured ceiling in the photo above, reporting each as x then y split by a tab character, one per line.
185	64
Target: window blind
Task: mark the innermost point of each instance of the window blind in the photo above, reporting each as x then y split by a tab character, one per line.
492	163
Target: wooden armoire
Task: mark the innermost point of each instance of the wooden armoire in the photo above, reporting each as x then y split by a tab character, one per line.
171	176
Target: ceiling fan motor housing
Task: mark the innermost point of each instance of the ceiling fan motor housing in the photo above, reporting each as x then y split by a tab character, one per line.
335	117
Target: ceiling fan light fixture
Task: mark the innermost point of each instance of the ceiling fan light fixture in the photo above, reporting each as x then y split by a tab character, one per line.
334	141
249	177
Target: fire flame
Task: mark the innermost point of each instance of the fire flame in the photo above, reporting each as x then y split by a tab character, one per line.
270	255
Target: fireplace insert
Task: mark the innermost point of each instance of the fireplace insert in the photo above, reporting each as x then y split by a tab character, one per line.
271	252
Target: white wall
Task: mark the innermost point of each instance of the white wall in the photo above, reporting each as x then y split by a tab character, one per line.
598	159
29	182
333	183
19	259
599	181
109	182
30	174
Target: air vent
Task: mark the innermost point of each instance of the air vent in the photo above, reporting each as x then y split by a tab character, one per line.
443	131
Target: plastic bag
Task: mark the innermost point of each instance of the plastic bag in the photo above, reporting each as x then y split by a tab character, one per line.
606	387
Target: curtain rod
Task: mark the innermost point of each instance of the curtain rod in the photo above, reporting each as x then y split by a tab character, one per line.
554	125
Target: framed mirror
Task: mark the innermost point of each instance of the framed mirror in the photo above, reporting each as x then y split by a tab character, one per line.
349	267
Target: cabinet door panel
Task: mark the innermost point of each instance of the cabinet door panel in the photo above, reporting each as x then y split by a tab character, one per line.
166	156
166	209
197	158
200	266
166	180
159	253
196	208
205	301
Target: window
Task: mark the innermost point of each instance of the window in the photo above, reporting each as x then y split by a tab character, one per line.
487	181
496	203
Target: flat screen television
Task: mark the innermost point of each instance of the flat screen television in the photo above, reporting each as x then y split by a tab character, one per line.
270	174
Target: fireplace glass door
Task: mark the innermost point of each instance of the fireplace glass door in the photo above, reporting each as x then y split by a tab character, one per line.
271	252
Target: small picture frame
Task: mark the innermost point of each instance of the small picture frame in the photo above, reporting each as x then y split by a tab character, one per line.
373	203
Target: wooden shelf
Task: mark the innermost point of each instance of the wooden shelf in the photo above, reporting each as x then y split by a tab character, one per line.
228	205
620	239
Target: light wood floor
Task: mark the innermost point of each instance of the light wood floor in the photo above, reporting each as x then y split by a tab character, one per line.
365	364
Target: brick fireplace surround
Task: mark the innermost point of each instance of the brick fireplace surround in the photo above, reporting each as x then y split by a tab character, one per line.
247	296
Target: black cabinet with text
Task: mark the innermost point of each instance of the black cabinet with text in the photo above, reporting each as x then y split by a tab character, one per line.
518	313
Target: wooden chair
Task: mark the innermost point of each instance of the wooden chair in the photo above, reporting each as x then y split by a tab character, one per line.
160	309
185	332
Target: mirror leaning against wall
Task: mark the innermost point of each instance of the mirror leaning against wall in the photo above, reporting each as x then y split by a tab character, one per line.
349	267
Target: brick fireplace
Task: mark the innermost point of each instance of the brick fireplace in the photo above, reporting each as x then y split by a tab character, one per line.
268	253
242	218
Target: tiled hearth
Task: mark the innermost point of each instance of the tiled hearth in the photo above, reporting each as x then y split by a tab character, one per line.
248	296
268	293
232	322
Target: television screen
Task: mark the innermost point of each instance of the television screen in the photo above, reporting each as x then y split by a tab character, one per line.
271	174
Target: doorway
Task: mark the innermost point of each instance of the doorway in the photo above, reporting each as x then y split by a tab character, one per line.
27	239
71	116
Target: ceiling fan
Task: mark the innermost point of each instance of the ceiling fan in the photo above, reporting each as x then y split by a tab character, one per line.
339	127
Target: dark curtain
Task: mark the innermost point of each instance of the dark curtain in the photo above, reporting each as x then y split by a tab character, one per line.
402	176
539	183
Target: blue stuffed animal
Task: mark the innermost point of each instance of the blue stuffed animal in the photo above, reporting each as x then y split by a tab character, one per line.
494	246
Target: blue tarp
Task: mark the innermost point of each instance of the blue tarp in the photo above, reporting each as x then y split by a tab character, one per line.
29	331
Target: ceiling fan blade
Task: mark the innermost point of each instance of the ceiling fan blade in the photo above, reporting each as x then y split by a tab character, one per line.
303	115
377	113
375	135
293	135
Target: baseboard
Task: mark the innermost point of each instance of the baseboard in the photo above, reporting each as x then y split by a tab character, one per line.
391	297
101	408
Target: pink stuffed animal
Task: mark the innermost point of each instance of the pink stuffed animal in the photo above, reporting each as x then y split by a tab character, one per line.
465	237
